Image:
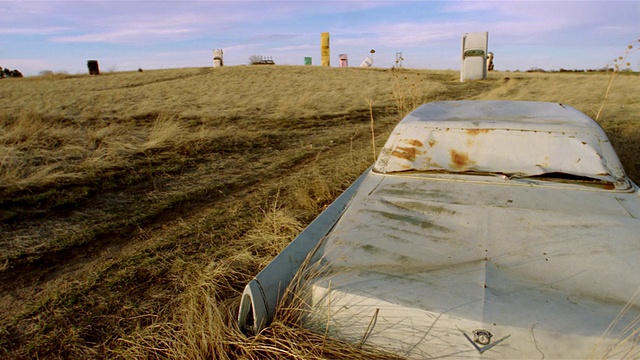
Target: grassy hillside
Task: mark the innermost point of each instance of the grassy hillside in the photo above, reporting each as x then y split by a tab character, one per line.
134	207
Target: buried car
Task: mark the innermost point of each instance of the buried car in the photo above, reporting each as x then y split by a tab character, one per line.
485	229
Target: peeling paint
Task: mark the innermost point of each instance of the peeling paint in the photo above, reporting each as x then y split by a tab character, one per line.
408	153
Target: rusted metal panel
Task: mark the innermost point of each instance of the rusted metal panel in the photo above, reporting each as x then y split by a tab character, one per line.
437	245
532	139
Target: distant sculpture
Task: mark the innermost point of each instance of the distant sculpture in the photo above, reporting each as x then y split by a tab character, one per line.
217	58
94	67
325	49
261	60
474	56
344	60
489	61
368	61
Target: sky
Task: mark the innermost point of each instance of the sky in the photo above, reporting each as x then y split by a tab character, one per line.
60	36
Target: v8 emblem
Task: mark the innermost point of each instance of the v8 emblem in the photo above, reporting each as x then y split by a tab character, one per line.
482	337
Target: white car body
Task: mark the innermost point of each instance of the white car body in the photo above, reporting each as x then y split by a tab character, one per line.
485	229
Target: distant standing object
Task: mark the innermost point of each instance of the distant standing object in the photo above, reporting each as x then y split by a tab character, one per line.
490	61
368	61
261	60
399	59
325	50
94	68
307	60
474	56
217	58
344	62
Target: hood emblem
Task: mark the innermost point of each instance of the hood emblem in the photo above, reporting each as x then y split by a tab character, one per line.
482	337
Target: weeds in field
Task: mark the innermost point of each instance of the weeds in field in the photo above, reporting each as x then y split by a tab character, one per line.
618	63
204	326
373	132
165	133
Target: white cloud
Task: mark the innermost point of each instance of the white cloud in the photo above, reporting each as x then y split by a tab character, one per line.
126	36
296	47
32	30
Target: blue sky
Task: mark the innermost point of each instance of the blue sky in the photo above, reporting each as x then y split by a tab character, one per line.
126	35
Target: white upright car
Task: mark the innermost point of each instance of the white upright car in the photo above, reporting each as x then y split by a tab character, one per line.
485	229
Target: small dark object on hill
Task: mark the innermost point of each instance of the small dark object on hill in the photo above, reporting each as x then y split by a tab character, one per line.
6	73
94	68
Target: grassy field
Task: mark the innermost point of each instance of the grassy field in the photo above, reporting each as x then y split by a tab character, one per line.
134	207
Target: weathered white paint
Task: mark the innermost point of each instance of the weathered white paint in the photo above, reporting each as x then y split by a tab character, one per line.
412	259
490	136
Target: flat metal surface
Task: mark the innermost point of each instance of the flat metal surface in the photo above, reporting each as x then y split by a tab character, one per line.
549	266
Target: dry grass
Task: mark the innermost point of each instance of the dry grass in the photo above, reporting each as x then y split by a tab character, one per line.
136	206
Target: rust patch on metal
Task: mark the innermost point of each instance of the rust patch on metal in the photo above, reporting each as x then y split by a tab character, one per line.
408	153
432	143
459	160
415	143
477	131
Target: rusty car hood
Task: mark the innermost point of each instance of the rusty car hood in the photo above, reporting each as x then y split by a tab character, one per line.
435	259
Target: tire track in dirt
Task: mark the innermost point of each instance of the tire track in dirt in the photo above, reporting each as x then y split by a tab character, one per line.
25	279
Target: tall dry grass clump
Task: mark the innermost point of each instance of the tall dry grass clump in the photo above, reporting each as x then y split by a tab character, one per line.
166	132
618	64
411	88
30	151
203	324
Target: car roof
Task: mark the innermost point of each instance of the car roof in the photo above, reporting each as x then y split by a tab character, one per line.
526	138
503	114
